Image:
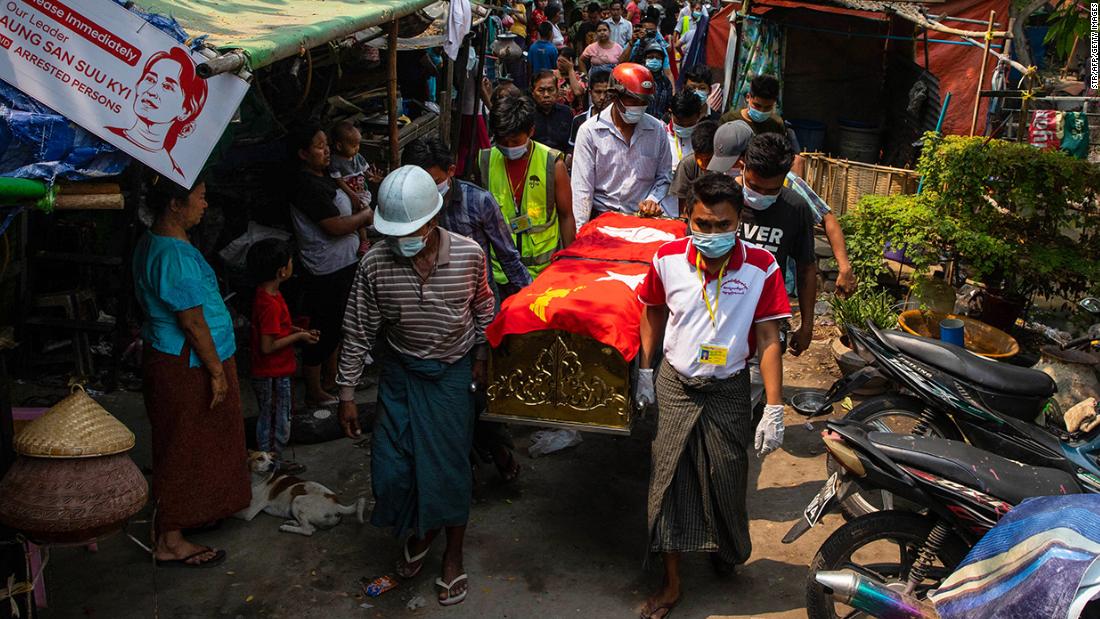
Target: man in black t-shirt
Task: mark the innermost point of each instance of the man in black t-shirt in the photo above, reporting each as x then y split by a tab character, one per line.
779	220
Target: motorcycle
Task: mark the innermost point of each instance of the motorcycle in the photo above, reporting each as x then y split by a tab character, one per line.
962	490
948	392
1040	560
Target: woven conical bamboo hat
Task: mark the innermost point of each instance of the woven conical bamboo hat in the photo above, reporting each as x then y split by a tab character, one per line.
76	427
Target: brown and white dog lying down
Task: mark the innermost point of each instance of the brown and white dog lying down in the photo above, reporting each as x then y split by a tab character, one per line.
307	505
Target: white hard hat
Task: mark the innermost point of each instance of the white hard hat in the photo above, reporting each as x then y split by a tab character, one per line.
407	199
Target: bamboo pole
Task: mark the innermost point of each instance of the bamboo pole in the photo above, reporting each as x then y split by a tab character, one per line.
391	92
981	75
1069	58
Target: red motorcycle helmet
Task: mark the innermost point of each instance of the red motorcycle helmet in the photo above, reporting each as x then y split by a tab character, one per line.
632	79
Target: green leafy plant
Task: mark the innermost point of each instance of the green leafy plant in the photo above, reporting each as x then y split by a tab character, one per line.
1066	24
1023	220
866	304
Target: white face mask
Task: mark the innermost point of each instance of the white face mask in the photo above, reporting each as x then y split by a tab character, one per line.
514	152
632	114
756	200
444	187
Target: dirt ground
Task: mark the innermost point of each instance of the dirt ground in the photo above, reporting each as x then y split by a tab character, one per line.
566	540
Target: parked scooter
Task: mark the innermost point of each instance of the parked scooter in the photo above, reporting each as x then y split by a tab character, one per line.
963	491
947	392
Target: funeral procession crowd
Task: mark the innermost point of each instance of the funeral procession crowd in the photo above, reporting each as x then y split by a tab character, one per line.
405	271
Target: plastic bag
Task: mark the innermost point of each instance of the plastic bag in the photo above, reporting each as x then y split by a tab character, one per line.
545	442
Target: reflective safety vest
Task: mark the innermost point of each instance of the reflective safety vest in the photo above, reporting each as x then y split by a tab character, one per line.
535	227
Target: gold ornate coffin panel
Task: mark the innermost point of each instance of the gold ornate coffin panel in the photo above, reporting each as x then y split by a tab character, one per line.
557	378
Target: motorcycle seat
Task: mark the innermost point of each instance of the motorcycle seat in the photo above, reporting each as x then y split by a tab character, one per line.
958	361
975	468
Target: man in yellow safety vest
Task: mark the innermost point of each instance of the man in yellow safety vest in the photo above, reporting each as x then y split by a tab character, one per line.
530	182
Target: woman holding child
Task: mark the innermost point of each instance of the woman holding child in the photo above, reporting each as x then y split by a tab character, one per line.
326	224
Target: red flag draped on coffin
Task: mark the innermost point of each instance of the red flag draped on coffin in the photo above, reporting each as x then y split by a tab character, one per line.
590	288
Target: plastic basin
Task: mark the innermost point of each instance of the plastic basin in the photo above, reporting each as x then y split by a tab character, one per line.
980	338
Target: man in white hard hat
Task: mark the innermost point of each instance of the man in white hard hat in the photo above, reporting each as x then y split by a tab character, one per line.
427	291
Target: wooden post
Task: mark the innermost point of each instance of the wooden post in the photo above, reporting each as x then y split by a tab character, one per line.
1072	53
443	90
981	74
391	92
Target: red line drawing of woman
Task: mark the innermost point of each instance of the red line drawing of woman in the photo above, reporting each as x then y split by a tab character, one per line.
168	98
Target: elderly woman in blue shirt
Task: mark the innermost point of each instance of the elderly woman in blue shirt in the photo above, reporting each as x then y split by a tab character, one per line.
192	396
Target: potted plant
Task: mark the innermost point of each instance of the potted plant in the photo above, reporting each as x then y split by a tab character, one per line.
1020	220
876	306
1025	219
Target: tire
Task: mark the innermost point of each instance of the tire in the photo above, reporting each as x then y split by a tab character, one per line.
878	409
904	527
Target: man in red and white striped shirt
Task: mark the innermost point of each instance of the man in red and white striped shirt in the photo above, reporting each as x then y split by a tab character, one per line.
712	299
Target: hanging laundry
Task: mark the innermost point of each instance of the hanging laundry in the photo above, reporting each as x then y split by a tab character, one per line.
1075	134
1043	132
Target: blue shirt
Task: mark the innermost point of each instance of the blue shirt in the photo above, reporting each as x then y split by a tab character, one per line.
170	276
472	212
542	55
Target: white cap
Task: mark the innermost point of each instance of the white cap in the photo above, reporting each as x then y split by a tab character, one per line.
407	199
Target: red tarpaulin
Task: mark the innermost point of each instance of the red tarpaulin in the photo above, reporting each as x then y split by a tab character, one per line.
589	289
956	66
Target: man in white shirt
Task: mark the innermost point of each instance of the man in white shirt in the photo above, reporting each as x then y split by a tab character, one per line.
711	300
621	160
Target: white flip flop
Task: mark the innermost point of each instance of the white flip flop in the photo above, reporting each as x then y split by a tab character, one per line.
452	599
419	559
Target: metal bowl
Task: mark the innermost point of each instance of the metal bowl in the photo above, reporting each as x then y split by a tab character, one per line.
808	403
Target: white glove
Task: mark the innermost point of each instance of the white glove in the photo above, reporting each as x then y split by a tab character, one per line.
644	393
769	432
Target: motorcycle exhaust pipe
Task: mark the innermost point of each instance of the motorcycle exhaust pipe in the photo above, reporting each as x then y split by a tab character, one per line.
873	597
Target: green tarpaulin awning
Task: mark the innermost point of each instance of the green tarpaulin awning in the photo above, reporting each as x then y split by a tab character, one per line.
271	30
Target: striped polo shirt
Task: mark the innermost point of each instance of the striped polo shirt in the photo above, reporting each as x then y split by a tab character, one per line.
440	318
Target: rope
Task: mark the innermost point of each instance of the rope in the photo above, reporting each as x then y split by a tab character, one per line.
25	587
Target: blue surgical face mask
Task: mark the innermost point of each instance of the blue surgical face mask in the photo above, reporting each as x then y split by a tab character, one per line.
702	94
654	64
756	200
714	245
443	187
758	116
514	152
632	114
697	15
408	246
684	133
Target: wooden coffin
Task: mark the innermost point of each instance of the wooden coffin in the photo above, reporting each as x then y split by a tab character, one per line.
562	379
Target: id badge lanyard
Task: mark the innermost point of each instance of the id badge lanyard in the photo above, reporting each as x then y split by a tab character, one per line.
712	352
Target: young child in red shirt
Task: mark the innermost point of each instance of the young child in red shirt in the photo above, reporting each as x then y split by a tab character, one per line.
273	339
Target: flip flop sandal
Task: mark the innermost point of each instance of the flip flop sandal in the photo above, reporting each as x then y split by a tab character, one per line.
451	598
418	560
647	612
216	560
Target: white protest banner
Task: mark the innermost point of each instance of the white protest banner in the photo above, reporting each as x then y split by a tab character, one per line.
117	76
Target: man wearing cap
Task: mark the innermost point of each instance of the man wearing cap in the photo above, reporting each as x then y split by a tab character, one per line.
426	290
622	161
728	142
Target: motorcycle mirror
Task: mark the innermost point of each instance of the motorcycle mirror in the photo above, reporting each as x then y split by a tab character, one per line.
1090	304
